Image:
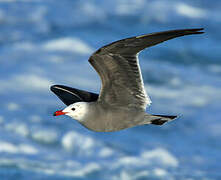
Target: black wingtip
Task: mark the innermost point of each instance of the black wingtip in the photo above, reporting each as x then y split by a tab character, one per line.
65	94
167	116
172	117
183	32
55	87
162	119
197	30
69	95
52	88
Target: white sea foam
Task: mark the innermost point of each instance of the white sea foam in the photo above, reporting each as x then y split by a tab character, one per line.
25	82
20	148
129	7
157	156
85	170
215	68
12	106
77	143
92	11
74	169
142	175
68	44
175	81
160	172
2	16
162	156
45	136
27	149
129	161
8	147
1	119
106	152
38	16
124	175
56	59
27	46
18	127
65	44
163	9
40	83
130	175
35	118
195	95
190	11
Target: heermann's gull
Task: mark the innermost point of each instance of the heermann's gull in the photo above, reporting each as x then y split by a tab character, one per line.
122	101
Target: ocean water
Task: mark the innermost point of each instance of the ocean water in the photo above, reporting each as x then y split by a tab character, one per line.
45	42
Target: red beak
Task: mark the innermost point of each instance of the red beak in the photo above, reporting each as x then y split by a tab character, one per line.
58	113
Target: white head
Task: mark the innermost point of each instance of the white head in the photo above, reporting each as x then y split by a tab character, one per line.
76	111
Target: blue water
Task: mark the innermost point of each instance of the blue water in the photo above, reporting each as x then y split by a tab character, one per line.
45	42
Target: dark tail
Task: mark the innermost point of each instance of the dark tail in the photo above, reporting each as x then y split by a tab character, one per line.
158	119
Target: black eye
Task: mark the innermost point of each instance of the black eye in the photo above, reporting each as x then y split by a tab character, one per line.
73	109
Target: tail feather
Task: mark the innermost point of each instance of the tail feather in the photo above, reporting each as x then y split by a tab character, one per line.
158	119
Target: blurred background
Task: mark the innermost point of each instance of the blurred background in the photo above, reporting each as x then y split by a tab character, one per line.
46	42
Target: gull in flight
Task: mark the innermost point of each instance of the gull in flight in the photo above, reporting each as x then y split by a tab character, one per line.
122	100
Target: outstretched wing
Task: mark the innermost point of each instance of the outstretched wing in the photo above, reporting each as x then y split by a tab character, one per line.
70	95
118	67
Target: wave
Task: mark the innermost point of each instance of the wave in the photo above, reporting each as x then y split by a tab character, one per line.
12	106
149	164
157	156
45	136
25	82
77	143
68	44
17	127
1	119
6	147
190	11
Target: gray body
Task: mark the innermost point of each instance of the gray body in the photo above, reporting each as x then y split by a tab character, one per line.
122	100
104	118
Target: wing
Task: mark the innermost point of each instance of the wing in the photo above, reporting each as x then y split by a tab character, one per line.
118	67
70	95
